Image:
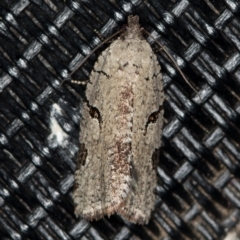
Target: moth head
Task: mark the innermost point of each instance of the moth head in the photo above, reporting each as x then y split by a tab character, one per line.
133	29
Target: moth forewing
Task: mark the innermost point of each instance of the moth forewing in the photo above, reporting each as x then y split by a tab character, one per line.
120	131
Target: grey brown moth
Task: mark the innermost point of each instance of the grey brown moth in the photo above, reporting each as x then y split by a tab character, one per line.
120	131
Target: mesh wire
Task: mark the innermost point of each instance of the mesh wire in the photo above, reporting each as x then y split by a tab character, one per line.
41	42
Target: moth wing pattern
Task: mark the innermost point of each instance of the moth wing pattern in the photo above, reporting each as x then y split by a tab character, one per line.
103	182
120	130
147	129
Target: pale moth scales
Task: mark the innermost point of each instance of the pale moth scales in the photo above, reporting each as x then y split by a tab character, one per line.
120	132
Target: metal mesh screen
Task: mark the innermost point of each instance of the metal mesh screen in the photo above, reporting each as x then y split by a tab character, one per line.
42	41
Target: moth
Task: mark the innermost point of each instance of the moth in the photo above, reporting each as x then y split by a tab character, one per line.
120	131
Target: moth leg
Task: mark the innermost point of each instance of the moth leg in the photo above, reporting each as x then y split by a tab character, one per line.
80	82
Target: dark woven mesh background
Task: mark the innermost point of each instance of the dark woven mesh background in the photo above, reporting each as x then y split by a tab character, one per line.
41	41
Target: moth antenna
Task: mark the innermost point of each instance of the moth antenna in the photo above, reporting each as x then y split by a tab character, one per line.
85	59
99	35
172	59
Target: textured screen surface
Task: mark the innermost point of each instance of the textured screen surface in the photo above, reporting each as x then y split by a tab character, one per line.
41	42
